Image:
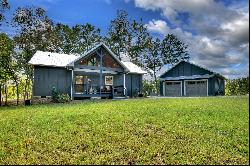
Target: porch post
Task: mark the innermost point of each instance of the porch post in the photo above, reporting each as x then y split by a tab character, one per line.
101	71
124	84
72	82
163	87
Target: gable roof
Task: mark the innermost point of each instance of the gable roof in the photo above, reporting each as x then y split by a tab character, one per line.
201	67
94	49
41	58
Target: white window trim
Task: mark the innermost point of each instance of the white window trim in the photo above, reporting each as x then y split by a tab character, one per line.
195	81
172	81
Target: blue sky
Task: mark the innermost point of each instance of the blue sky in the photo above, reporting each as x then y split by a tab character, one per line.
216	30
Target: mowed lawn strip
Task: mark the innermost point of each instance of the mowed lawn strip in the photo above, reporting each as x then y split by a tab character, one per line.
211	130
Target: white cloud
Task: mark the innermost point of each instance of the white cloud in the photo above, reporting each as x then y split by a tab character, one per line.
218	36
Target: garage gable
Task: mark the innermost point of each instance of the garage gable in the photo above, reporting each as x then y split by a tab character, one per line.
184	68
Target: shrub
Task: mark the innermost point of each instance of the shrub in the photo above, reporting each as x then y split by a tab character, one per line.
55	94
63	98
150	87
59	97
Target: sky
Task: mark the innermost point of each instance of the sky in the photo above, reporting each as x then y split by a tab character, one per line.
216	31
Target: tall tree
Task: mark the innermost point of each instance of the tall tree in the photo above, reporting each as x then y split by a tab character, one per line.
90	35
138	43
77	39
152	58
126	37
159	53
6	50
173	50
119	33
4	5
35	33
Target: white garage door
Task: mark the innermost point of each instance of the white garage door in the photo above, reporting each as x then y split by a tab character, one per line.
196	88
173	88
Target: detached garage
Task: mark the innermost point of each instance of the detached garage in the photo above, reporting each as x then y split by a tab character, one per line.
188	79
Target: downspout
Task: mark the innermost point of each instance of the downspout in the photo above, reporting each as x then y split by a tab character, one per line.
124	84
72	82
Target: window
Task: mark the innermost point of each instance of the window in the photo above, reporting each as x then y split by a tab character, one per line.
191	82
169	83
108	80
92	60
200	82
79	80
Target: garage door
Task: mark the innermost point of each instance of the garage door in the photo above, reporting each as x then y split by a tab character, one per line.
196	88
173	88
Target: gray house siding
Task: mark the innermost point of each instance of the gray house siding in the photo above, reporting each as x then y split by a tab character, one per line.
133	84
187	69
45	78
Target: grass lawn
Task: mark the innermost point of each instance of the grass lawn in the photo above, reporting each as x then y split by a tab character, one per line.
211	130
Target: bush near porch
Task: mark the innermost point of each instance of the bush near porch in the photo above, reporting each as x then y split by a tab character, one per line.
212	130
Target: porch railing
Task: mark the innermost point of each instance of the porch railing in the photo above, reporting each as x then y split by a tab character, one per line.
94	89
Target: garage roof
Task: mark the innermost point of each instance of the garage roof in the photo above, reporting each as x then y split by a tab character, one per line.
204	68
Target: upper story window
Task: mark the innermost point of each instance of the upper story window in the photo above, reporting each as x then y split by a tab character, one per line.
94	60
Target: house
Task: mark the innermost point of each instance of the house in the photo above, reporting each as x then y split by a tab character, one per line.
188	79
96	73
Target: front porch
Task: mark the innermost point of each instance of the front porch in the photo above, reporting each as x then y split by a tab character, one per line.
87	84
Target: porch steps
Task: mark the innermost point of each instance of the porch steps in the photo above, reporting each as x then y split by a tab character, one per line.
119	97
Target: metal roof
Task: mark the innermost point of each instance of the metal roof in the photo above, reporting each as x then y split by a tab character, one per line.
41	58
188	77
133	68
194	65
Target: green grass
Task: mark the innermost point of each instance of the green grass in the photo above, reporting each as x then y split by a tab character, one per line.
137	131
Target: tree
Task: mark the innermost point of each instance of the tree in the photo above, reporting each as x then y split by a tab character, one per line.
238	86
69	38
126	37
36	33
118	33
78	39
90	36
152	60
138	42
4	5
14	71
173	50
6	50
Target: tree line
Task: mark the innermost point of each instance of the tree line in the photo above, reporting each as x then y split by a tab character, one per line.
126	37
238	86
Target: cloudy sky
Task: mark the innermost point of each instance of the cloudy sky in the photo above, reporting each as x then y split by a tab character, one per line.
217	31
